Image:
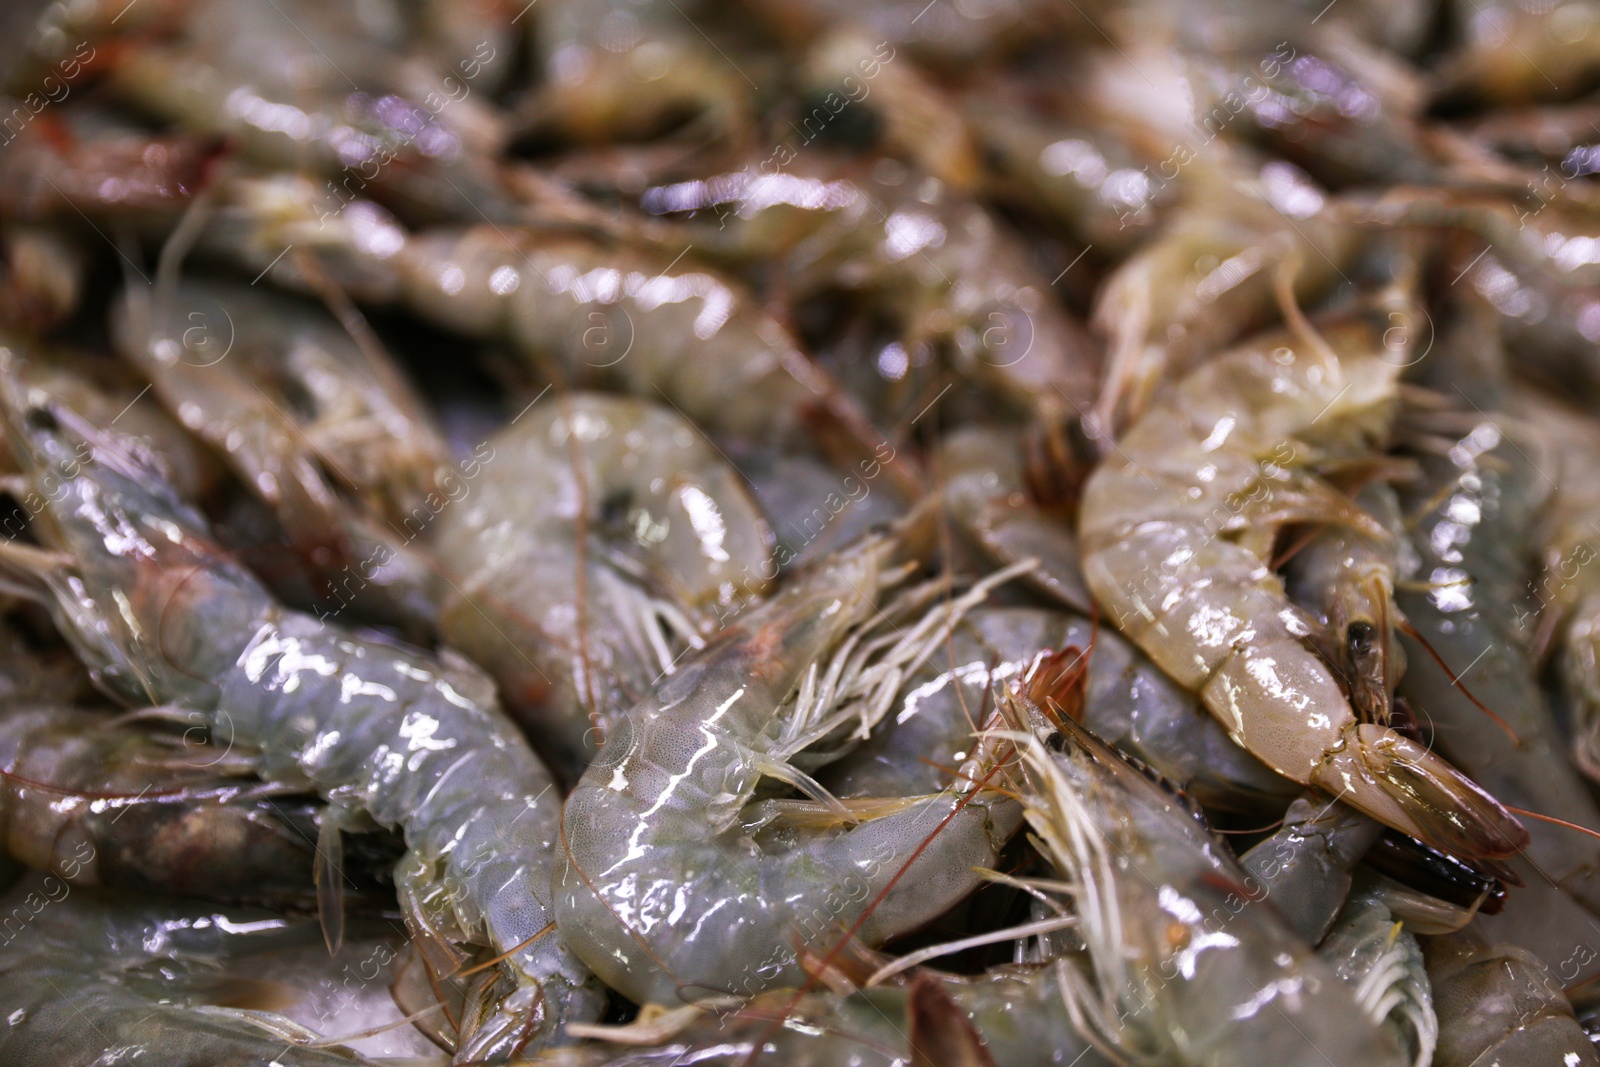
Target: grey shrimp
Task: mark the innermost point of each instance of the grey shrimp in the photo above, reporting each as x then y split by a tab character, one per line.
383	731
941	264
131	806
666	884
1499	1004
1186	956
86	981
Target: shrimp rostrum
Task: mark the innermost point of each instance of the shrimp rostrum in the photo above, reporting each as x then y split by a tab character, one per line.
1178	531
385	733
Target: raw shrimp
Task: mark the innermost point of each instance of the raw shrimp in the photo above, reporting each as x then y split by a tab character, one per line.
942	36
1177	529
1345	112
942	266
650	324
1568	586
1473	517
281	390
666	885
1561	136
1009	1015
589	552
1498	1004
1508	52
1532	250
615	70
1539	269
97	163
208	346
359	108
103	803
106	393
67	38
1307	864
1012	1015
1125	699
1208	277
381	730
85	981
254	219
578	308
1089	173
1370	950
1210	27
1188	965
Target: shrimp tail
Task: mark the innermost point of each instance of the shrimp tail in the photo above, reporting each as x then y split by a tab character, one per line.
1402	783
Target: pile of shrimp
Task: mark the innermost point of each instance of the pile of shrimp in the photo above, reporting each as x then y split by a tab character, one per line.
934	534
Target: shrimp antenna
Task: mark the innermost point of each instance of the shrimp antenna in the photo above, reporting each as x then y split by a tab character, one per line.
75	793
1553	819
1283	288
188	230
1273	825
949	948
1388	617
1455	679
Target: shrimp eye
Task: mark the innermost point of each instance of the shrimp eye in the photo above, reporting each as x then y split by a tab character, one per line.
1360	636
845	126
41	419
615	509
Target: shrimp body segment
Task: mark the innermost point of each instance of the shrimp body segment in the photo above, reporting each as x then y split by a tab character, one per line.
1499	1004
1177	529
649	325
278	388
